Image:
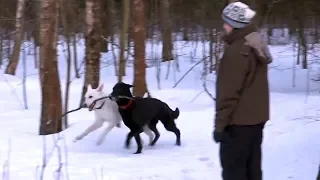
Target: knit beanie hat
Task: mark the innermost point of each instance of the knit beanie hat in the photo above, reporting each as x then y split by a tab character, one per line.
238	15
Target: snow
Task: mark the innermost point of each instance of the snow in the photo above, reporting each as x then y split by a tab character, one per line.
290	149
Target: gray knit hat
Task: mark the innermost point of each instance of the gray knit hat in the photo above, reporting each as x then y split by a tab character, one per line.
238	15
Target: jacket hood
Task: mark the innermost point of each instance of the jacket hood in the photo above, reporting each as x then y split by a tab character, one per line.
261	49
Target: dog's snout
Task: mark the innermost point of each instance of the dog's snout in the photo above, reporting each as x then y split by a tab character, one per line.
84	105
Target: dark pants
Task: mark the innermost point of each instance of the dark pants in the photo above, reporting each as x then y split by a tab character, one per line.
240	155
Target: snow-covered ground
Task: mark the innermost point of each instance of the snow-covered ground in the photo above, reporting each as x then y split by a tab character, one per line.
291	148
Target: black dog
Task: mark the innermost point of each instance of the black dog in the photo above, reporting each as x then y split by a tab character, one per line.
137	112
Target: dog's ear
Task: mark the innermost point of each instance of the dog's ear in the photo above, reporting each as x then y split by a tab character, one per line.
129	86
100	88
89	87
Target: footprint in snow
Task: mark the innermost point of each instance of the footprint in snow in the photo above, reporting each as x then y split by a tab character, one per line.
203	159
207	160
187	170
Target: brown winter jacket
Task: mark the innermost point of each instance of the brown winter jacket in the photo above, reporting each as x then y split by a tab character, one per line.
242	89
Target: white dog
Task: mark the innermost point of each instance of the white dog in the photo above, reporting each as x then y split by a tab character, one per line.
105	111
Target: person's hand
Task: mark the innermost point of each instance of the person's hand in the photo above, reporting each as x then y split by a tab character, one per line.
220	136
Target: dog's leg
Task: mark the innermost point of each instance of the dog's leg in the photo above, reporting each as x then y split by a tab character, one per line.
96	125
128	139
173	128
153	128
149	133
104	133
138	140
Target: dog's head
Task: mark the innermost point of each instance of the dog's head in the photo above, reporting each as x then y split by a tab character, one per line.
93	94
120	89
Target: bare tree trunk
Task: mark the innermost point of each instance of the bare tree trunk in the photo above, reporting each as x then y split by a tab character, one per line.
185	33
111	31
1	48
51	110
124	38
36	54
66	30
24	78
8	44
166	27
74	44
211	49
294	66
139	35
104	24
299	52
75	56
304	45
13	63
35	31
93	46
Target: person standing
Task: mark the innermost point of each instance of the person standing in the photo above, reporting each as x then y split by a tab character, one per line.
242	95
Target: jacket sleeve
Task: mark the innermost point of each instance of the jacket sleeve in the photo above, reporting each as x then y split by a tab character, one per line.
232	75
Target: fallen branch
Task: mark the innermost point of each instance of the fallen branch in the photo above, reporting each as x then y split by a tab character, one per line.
193	99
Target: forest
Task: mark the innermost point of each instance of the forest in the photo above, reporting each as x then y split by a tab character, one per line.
122	28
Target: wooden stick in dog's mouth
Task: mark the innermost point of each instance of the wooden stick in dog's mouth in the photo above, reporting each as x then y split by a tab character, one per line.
91	106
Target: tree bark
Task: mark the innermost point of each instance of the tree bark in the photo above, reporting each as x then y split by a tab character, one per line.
104	24
72	13
124	38
139	35
67	35
93	46
50	122
13	63
35	31
166	28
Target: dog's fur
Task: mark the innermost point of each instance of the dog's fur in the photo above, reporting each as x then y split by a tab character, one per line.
138	112
105	111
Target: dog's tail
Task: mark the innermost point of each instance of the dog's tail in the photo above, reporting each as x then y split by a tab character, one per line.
175	114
